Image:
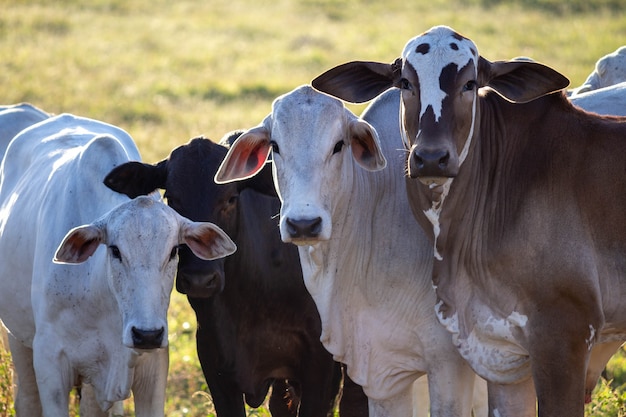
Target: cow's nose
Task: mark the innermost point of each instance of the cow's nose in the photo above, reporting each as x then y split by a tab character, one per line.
304	227
430	163
147	339
199	285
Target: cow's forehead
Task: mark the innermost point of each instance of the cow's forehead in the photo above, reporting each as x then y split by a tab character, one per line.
432	51
142	217
305	118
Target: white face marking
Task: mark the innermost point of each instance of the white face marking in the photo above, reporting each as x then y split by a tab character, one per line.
591	339
433	217
428	66
432	214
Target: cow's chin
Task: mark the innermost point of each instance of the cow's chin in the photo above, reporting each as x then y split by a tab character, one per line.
432	182
309	241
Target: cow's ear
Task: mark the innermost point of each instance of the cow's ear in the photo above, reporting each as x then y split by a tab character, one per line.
206	240
358	81
136	178
79	244
365	145
246	156
520	81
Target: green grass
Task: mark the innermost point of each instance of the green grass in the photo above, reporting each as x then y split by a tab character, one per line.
167	71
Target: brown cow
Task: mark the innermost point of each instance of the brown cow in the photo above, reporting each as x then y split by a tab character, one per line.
523	196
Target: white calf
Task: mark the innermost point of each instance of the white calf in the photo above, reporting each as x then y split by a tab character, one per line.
102	322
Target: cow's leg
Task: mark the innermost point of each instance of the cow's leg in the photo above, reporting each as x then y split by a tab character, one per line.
451	388
149	384
512	400
54	376
27	401
320	383
226	395
88	404
600	355
559	368
397	406
285	399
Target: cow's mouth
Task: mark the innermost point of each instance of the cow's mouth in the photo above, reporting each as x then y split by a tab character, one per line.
433	182
305	241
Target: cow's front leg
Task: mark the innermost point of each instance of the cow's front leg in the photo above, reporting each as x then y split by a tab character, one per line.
88	404
398	406
54	377
600	355
512	400
27	402
451	388
559	374
149	383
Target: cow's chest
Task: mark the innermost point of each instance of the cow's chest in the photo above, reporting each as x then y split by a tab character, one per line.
490	343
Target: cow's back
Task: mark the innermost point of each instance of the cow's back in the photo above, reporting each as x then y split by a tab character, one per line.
14	119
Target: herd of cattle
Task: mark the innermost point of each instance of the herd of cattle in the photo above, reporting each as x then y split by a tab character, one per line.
468	227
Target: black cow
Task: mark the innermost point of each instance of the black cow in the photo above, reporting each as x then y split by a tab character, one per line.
257	324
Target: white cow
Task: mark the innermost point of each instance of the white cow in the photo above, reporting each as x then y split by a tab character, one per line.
366	262
607	100
609	70
103	322
15	118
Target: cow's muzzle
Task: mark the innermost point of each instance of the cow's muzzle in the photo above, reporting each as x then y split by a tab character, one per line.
199	284
304	228
432	163
147	339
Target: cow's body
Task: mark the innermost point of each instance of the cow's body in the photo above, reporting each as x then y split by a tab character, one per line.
14	119
523	198
257	324
609	70
73	324
609	100
365	261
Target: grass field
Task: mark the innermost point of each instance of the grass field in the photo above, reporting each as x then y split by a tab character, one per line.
167	71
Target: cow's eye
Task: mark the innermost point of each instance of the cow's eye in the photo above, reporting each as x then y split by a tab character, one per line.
405	84
115	252
470	85
274	146
174	253
338	147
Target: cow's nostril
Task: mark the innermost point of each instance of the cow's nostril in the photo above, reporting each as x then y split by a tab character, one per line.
443	161
147	339
418	160
431	162
304	227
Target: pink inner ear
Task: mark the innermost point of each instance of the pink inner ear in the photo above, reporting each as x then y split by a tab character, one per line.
245	158
260	159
